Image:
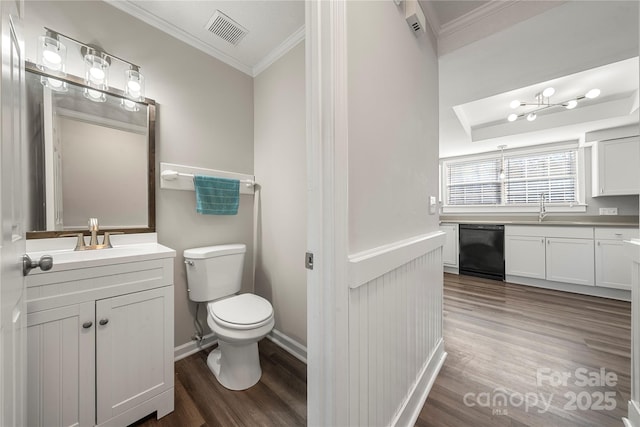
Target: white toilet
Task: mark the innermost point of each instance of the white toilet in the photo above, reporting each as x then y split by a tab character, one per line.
214	275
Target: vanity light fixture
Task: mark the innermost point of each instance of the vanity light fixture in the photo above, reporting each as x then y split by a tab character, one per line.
52	56
543	102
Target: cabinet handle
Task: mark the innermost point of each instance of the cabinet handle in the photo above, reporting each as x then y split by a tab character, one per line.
598	243
103	321
542	241
601	190
87	325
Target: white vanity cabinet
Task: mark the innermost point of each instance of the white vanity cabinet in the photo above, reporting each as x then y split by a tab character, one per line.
613	267
616	167
100	339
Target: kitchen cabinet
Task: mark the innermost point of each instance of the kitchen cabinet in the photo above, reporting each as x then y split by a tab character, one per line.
616	167
570	261
525	256
450	248
560	254
100	341
613	267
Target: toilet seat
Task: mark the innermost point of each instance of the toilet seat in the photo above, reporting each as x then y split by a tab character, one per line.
245	311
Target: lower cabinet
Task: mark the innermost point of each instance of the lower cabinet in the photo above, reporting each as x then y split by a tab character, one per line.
570	261
613	267
106	358
525	256
450	248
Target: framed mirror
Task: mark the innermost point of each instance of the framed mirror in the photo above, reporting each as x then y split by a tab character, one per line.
90	154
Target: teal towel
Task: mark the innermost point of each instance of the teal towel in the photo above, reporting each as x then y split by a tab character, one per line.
216	196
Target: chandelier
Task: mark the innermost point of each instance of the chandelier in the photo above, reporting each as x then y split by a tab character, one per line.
543	102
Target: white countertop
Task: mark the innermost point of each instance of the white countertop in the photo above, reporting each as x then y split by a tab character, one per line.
126	248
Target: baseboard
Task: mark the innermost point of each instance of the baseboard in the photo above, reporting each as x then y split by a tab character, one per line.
289	345
193	347
595	291
409	413
633	419
452	270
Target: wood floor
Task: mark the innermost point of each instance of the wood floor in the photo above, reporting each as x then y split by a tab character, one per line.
497	336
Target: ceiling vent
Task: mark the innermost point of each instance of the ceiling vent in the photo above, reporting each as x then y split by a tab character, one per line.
226	28
415	17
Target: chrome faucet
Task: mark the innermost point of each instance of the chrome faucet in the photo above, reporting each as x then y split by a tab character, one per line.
543	209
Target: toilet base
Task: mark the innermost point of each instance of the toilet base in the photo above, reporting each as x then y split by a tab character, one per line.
236	367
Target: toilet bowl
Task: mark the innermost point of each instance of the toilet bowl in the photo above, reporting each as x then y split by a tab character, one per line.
214	274
239	322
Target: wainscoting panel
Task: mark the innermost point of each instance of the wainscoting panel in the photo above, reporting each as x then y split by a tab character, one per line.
395	331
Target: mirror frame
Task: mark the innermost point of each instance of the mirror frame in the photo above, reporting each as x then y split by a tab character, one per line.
151	160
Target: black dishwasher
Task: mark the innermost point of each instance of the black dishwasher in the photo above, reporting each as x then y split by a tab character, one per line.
482	250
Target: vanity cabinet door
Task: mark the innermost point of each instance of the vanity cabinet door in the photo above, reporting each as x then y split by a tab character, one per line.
60	366
134	350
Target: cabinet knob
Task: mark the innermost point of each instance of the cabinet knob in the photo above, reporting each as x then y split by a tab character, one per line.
87	325
103	321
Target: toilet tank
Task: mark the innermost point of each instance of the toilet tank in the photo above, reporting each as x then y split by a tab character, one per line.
214	271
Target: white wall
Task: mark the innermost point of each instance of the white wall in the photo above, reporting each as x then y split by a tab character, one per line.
393	127
280	170
204	119
395	314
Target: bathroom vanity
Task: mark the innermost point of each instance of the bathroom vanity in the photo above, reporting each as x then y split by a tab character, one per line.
100	333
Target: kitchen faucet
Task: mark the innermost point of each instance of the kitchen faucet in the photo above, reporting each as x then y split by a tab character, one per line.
543	209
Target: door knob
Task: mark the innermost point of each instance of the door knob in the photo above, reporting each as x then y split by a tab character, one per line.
87	325
103	321
45	263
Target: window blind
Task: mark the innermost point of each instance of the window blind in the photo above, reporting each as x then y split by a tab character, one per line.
527	176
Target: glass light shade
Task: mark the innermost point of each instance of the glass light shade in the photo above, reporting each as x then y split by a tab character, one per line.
531	116
96	71
52	54
129	105
94	95
512	117
571	104
54	84
593	93
548	92
502	175
134	87
514	104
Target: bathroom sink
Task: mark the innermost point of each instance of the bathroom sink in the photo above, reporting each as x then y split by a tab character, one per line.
68	259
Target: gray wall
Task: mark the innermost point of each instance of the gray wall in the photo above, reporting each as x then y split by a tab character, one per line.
393	126
205	119
280	169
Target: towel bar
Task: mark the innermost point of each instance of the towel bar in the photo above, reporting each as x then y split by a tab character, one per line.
170	175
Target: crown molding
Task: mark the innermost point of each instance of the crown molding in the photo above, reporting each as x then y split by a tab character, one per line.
280	50
470	18
164	26
432	17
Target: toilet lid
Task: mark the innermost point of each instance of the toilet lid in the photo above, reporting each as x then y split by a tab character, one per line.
244	309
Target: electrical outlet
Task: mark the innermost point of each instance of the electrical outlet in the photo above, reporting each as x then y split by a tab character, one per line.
608	211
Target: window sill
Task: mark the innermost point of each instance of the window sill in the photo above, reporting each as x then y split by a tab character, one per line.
495	209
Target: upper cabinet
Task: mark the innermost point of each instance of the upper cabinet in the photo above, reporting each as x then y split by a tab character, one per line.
616	167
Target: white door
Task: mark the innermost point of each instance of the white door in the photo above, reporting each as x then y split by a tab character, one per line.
12	295
525	256
570	261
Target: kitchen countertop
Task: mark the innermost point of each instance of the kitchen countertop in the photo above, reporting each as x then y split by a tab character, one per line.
621	221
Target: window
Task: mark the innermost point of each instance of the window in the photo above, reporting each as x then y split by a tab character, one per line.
475	181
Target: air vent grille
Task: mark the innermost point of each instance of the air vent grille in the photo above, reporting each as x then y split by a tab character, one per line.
226	28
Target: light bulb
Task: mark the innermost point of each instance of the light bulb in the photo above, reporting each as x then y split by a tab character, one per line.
96	73
531	116
548	92
133	86
512	117
502	175
593	93
94	95
571	104
55	83
129	105
52	57
514	104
